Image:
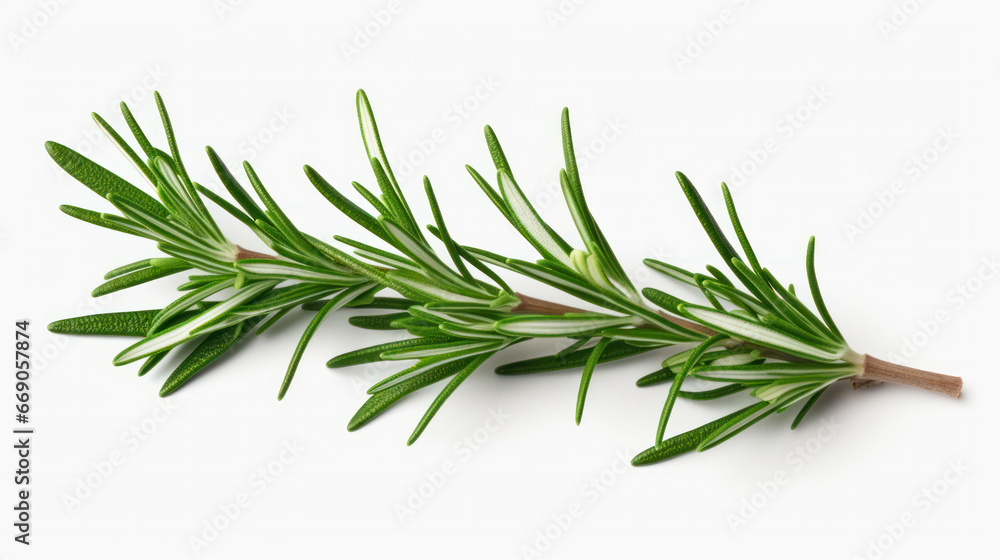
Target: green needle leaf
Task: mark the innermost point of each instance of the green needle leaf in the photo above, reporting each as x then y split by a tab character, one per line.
641	336
449	243
805	408
492	194
740	234
708	222
711	394
496	151
590	232
348	208
121	323
376	322
420	252
658	376
382	400
137	265
814	288
529	223
188	300
572	324
124	147
200	324
741	373
274	318
613	351
259	269
102	181
736	424
672	271
229	208
374	353
461	376
588	373
151	362
275	215
105	221
137	132
373	146
758	333
209	350
336	302
690	440
159	269
675	387
236	190
376	203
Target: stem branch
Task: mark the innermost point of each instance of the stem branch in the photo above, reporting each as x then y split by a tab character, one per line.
875	370
242	253
543	307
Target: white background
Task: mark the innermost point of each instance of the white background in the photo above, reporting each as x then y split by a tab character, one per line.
891	86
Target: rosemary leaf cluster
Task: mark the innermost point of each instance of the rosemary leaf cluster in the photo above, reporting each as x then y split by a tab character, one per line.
752	334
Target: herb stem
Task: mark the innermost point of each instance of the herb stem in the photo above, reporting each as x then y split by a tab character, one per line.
876	370
873	370
242	253
543	307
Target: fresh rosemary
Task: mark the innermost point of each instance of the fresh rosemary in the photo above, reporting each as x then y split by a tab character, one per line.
751	335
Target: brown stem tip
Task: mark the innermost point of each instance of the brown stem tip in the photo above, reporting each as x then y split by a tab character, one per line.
242	253
874	370
542	307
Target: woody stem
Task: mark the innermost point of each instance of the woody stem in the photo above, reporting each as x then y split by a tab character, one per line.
873	370
876	370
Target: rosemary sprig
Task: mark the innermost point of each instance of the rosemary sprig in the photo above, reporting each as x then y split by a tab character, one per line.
753	335
180	224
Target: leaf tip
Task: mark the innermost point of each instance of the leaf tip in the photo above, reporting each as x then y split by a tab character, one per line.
355	422
52	148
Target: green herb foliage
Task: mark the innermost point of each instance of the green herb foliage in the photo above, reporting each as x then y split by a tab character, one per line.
750	336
